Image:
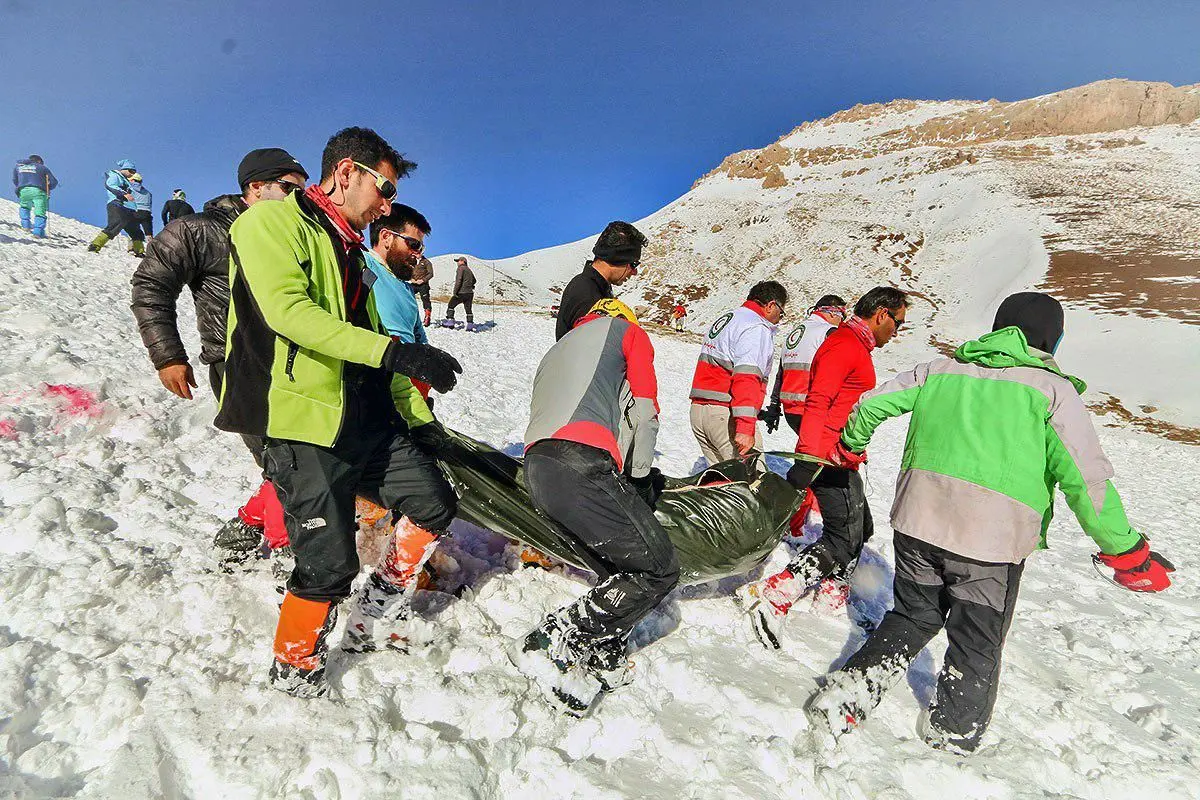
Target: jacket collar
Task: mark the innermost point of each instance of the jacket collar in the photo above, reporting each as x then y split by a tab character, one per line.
762	312
1007	347
226	206
595	277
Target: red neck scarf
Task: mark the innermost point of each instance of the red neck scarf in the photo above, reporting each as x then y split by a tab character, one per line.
860	329
351	239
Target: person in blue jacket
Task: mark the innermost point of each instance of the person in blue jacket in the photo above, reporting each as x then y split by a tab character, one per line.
145	204
33	181
397	242
122	210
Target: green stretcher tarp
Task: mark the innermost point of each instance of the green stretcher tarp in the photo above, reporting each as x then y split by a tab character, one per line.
723	521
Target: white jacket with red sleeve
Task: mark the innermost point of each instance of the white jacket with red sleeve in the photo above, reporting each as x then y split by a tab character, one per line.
734	364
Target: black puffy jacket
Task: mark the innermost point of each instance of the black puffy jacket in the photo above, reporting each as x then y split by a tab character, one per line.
192	251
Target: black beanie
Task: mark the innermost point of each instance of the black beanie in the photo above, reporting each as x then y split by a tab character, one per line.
619	243
267	164
1039	316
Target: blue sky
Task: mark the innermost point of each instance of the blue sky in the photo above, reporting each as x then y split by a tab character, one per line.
533	123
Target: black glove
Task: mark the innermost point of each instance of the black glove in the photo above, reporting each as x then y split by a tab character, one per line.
650	486
432	438
424	362
770	415
802	474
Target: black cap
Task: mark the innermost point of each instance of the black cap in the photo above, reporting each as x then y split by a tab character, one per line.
267	164
619	243
1038	315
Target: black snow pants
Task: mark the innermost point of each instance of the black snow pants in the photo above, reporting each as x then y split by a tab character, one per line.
846	518
421	290
145	221
465	301
793	421
374	457
120	219
974	601
578	487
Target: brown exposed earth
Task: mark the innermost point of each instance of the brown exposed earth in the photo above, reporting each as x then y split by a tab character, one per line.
1144	422
1148	284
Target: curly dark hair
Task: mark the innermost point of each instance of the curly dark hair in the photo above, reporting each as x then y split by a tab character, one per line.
364	146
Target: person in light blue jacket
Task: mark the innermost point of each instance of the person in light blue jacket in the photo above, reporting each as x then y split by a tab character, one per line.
397	242
144	203
33	181
122	209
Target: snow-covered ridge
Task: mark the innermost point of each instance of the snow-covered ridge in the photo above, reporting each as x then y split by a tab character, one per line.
1090	193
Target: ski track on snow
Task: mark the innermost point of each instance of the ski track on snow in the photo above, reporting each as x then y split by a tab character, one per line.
130	667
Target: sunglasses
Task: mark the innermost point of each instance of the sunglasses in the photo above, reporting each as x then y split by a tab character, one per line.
387	189
633	265
416	245
288	187
898	322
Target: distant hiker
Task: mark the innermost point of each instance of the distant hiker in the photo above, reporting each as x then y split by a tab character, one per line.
122	209
993	431
615	258
799	347
176	207
730	381
145	205
463	292
678	315
589	474
841	371
193	252
309	367
397	241
33	181
421	277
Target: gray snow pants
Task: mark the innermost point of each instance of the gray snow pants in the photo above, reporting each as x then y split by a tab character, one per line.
974	601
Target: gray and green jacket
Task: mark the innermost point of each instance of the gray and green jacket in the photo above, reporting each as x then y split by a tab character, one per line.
289	339
993	431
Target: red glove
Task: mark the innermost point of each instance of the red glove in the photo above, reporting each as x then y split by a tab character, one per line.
1140	569
846	458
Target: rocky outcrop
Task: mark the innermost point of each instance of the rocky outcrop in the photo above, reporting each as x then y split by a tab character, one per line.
1102	107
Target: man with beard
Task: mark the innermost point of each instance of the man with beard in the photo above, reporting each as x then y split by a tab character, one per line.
193	251
397	242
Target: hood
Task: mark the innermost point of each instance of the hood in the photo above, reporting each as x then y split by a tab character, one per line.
1007	348
226	207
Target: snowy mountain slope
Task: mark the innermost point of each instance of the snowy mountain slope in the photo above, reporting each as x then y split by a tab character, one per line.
130	667
1090	193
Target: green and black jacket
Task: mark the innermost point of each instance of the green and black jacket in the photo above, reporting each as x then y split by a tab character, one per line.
289	338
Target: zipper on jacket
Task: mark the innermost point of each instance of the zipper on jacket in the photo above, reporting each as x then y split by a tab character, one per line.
293	350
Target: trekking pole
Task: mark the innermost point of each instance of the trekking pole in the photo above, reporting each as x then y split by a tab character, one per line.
493	292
